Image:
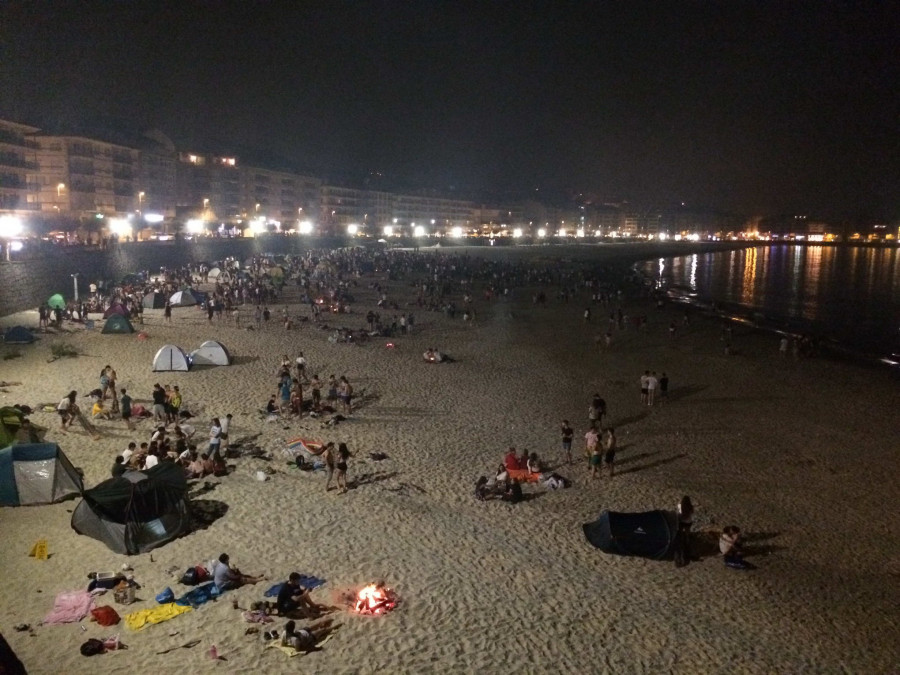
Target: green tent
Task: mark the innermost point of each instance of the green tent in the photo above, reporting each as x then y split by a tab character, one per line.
57	302
117	324
10	423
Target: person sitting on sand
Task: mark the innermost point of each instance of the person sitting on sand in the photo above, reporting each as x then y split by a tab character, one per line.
522	460
207	466
305	639
294	600
98	411
272	406
227	577
731	546
510	460
513	493
534	464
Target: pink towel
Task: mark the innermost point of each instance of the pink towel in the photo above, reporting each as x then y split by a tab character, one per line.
69	606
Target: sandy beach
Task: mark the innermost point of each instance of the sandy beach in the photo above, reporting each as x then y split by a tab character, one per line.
801	454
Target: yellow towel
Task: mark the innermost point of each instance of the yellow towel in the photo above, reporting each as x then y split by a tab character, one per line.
290	651
144	617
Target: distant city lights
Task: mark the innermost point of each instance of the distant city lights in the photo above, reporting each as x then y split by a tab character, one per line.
154	217
388	230
10	226
353	229
419	231
305	227
195	226
457	232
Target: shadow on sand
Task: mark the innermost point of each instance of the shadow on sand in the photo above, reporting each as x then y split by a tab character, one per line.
651	465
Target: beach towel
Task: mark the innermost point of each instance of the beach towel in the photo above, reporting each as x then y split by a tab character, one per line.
105	616
199	595
524	475
291	652
308	582
69	607
145	617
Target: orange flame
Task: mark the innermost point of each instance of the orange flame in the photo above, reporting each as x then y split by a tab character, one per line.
373	599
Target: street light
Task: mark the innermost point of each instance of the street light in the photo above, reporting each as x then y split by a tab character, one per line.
60	188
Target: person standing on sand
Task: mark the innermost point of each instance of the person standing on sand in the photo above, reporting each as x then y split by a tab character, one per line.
215	439
652	386
609	446
685	513
341	466
567	435
159	404
316	386
645	378
328	458
783	347
167	312
591	442
67	409
345	393
125	406
301	367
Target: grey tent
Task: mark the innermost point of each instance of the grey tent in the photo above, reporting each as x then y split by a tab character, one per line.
154	300
36	473
650	534
137	511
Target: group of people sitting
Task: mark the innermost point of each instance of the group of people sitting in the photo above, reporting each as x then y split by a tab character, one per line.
165	446
432	355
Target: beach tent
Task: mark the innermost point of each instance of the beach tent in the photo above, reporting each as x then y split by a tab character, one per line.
650	534
10	422
115	308
12	665
18	335
56	301
154	300
183	299
36	473
214	273
117	324
210	353
137	511
170	357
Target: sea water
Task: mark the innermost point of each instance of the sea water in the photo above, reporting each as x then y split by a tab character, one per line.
846	296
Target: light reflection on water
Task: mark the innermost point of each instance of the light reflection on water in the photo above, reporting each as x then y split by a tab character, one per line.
851	294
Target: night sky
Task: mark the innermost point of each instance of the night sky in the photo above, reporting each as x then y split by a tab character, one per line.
752	107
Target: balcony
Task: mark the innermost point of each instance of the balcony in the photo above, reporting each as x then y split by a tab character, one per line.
12	181
10	160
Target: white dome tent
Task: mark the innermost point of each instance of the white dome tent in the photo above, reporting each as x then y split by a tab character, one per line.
170	357
211	353
183	299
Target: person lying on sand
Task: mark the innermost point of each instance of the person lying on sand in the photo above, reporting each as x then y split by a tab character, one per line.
227	577
294	600
305	639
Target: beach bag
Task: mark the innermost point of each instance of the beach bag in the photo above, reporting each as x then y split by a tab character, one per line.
105	616
166	596
92	646
202	574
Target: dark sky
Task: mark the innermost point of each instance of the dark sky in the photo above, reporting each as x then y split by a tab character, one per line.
755	107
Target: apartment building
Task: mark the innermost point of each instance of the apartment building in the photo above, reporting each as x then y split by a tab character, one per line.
83	177
17	166
278	196
208	186
372	211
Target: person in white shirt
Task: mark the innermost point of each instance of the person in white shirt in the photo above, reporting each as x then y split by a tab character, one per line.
129	451
644	383
652	386
150	461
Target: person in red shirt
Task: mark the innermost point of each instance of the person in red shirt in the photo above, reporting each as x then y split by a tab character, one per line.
511	461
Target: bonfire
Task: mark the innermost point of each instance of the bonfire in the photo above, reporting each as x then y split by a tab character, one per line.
375	599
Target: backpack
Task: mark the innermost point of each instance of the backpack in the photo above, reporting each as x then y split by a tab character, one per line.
92	646
190	577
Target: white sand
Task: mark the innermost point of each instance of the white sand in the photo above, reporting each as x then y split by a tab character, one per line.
801	454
